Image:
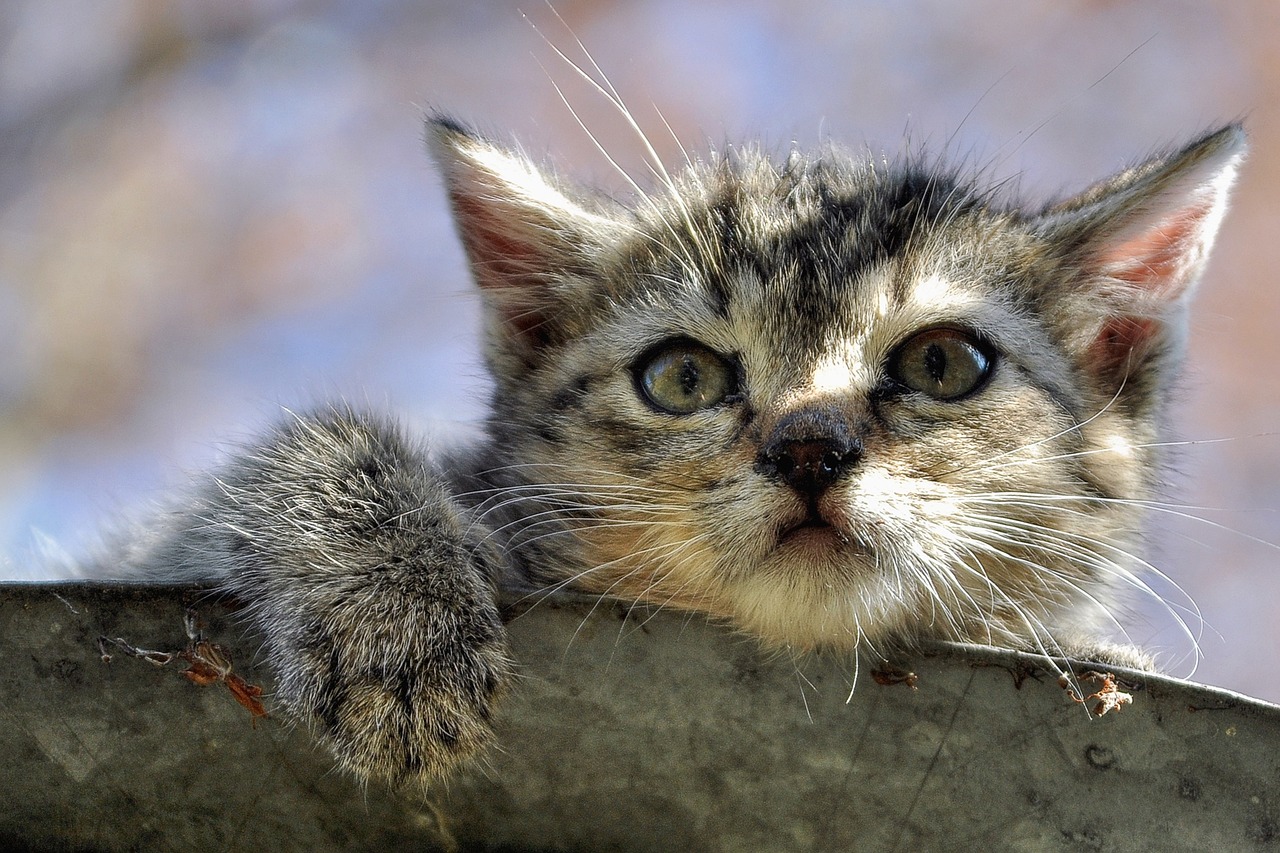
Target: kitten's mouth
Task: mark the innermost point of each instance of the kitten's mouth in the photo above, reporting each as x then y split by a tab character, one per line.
810	539
820	534
813	527
809	526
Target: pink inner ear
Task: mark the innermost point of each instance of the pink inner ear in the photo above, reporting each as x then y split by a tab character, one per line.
1123	343
503	265
1155	266
1158	260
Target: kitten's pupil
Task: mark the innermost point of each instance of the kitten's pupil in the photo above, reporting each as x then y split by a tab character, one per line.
688	376
935	362
681	376
944	363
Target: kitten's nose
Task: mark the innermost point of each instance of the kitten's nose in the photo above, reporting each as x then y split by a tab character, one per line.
809	451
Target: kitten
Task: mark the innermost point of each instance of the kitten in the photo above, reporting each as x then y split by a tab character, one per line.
835	403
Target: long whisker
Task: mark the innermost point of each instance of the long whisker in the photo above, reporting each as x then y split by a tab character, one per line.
1080	549
1075	427
1182	511
1038	530
1076	454
575	578
1037	632
653	161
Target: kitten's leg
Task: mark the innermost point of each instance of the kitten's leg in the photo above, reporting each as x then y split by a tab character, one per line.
371	587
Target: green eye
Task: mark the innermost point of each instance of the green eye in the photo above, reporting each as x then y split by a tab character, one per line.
681	376
944	363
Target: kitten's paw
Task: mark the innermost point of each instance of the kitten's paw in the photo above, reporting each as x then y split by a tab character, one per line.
373	590
402	698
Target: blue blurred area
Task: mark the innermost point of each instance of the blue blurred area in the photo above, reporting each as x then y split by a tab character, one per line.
210	210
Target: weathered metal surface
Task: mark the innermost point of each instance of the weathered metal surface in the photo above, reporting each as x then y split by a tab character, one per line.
626	734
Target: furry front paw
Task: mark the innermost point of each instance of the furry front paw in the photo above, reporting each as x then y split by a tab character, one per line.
372	589
399	698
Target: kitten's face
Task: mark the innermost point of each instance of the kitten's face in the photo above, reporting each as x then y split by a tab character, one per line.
833	403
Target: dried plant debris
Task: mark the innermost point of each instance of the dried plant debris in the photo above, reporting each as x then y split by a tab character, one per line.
889	675
207	663
1108	697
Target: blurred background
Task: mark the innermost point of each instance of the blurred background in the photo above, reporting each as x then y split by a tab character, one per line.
212	209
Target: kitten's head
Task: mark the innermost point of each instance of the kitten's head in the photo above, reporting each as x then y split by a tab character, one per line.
837	399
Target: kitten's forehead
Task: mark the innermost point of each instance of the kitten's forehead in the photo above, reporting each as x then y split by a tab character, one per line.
823	244
813	274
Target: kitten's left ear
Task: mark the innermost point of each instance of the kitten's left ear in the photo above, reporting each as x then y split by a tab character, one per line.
526	235
1141	239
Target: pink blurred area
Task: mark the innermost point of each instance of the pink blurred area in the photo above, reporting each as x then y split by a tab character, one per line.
210	210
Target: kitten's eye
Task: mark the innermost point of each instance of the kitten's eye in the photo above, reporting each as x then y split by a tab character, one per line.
943	363
682	376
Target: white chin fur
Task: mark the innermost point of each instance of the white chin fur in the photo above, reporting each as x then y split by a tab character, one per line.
805	605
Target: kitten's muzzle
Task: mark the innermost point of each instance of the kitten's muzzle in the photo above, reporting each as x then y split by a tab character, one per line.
809	450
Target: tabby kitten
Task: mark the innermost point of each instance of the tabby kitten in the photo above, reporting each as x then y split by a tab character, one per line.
834	402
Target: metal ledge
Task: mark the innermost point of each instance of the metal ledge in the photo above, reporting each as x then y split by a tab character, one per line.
626	734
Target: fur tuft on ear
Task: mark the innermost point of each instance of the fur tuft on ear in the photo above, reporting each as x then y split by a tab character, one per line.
523	233
1140	240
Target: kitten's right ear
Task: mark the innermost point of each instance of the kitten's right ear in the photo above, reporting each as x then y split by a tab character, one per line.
526	237
1150	228
1140	240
